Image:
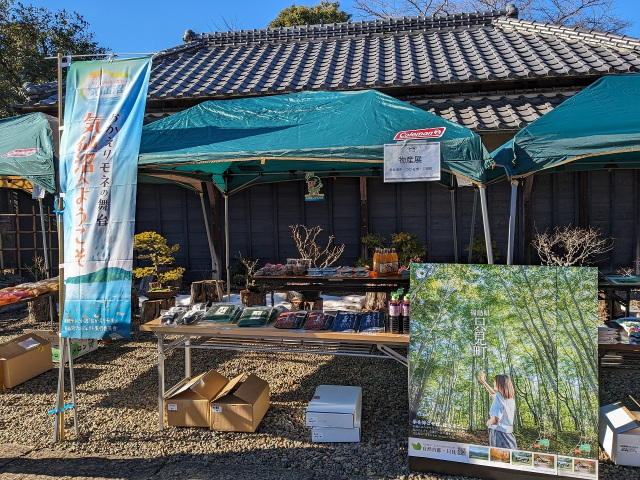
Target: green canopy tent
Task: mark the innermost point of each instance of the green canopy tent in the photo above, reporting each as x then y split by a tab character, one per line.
26	162
238	143
598	128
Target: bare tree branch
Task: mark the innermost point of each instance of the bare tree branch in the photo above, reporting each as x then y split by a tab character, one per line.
568	246
305	239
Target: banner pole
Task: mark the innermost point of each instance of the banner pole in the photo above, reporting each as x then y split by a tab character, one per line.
214	267
45	254
226	245
512	221
485	223
59	435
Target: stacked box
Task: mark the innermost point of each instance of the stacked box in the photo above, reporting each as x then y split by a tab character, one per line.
334	414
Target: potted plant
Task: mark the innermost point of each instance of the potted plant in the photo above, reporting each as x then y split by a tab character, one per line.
153	247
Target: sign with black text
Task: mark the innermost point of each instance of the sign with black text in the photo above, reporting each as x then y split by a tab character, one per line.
412	162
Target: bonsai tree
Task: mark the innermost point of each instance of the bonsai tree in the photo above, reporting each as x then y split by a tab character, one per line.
246	267
321	256
408	247
153	247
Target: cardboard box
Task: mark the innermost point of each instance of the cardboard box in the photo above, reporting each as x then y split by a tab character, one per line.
240	405
332	434
189	405
335	406
79	346
24	358
619	434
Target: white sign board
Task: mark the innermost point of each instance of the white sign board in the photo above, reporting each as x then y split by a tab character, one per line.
412	162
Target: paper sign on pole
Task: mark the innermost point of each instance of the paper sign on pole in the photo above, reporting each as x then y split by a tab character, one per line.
412	162
98	177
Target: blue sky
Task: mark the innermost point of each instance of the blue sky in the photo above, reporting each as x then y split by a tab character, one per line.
143	26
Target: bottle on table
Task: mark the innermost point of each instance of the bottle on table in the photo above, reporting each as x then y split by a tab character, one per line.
406	324
394	314
376	261
395	264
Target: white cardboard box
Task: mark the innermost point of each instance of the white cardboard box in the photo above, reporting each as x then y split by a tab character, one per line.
335	406
620	434
332	434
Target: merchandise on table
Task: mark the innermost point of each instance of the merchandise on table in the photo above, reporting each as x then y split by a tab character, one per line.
173	316
271	270
631	326
293	320
395	312
372	322
222	313
195	313
7	298
346	322
258	316
319	320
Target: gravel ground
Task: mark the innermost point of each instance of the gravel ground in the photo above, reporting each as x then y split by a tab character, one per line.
118	418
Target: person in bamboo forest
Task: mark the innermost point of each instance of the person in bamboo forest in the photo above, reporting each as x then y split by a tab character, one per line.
502	411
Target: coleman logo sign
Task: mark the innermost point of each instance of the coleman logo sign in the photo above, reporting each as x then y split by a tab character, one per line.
420	134
21	152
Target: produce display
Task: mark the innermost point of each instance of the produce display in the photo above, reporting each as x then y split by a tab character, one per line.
28	290
319	320
302	266
372	322
258	316
222	313
346	322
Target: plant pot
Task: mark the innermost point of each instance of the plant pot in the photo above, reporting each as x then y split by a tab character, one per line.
162	295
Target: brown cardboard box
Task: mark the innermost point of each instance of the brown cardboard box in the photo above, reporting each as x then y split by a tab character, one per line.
24	358
240	406
189	405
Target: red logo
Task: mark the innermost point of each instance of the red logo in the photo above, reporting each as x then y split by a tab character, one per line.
21	152
422	133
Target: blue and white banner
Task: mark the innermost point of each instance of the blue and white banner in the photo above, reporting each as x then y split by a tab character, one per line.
103	119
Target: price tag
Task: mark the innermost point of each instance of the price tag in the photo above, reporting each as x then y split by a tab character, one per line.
216	409
172	406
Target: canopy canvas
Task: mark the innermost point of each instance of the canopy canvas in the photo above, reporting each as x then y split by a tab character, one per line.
236	143
26	152
597	128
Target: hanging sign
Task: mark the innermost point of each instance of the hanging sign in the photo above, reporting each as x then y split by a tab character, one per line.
98	177
493	358
412	162
314	184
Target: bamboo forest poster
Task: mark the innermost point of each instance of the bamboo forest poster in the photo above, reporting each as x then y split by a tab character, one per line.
503	367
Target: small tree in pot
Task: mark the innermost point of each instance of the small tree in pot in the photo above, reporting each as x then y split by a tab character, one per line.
153	247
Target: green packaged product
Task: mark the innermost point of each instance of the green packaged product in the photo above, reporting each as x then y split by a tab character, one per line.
257	316
222	313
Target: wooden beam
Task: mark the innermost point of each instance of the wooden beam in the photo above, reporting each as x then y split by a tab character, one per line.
364	215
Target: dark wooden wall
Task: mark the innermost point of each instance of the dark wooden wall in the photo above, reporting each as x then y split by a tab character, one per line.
260	217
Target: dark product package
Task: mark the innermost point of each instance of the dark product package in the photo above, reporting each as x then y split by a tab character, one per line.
345	322
291	319
372	322
258	316
318	320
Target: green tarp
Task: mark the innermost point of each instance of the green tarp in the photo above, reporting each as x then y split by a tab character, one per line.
26	149
266	139
598	128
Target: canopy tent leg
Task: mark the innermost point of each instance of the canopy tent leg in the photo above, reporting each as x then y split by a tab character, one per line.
45	254
485	223
214	267
473	223
226	245
454	218
512	221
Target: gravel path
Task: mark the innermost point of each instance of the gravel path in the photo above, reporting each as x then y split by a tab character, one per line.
118	419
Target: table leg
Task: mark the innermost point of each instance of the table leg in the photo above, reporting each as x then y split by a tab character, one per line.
273	302
161	379
187	358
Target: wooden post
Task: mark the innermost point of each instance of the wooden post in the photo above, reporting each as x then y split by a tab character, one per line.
207	291
151	308
364	215
39	310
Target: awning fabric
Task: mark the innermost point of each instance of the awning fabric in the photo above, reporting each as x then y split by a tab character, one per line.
26	150
242	142
598	128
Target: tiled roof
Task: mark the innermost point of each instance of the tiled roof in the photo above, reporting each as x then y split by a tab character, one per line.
450	51
493	112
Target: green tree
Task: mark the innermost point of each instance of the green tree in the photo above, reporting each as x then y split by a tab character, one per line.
29	34
324	12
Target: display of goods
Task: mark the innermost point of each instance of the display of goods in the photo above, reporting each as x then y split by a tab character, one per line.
291	319
173	316
319	320
271	270
195	313
631	326
7	298
314	272
258	316
372	322
222	313
345	322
